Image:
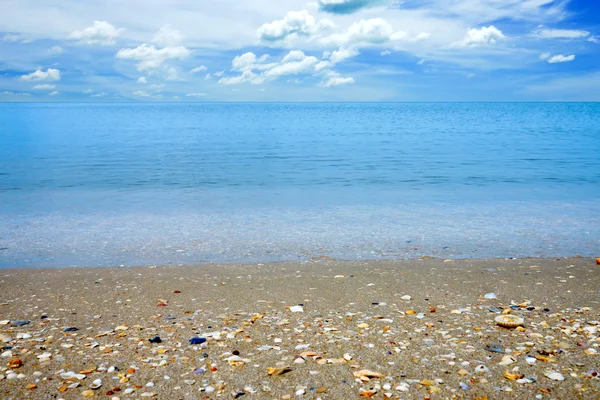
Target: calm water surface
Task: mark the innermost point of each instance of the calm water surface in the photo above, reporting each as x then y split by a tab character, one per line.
112	184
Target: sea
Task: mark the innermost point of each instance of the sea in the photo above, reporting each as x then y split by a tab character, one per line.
157	184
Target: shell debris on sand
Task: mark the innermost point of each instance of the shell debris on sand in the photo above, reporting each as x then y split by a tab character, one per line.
223	341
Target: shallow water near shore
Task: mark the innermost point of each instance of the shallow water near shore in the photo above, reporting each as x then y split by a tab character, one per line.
99	185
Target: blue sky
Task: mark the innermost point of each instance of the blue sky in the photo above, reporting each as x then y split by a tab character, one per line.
294	50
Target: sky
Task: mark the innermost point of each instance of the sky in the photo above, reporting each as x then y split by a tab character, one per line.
296	50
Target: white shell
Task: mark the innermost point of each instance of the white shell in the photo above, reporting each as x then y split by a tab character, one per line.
509	321
96	384
555	376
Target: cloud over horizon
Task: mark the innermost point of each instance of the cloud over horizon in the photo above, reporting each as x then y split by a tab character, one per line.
302	50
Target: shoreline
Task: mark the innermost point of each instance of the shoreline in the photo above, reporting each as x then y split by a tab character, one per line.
443	342
312	260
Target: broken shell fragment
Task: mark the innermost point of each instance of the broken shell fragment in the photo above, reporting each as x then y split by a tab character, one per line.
513	377
278	371
509	321
365	373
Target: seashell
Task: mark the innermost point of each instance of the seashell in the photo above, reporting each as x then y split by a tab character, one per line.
598	260
555	376
5	338
278	371
513	377
406	297
509	321
365	373
490	296
96	384
507	360
296	309
481	369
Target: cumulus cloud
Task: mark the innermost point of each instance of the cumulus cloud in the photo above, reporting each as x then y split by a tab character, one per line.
374	31
150	57
561	34
335	57
101	32
167	37
347	6
195	95
44	87
342	54
55	50
335	79
142	80
294	23
559	58
50	74
246	76
593	39
481	37
256	70
199	69
141	93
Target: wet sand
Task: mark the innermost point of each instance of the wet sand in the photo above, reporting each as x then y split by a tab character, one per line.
443	343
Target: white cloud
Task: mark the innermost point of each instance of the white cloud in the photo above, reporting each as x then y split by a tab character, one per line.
172	74
55	50
55	93
50	74
374	31
102	94
168	37
44	87
481	37
561	33
150	57
559	58
593	39
11	38
9	93
342	54
296	62
246	76
195	95
385	53
545	56
256	70
294	23
101	32
87	91
141	93
217	74
421	61
199	69
142	80
347	6
335	79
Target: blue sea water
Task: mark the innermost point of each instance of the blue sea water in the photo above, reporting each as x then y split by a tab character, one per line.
138	184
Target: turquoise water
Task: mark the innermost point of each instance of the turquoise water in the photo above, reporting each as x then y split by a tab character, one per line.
112	184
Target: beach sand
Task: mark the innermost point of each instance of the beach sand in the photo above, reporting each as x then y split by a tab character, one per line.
355	316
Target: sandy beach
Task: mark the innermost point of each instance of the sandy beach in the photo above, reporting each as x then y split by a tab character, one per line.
328	329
